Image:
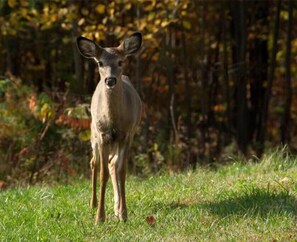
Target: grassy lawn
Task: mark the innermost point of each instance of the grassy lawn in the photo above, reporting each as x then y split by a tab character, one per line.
236	202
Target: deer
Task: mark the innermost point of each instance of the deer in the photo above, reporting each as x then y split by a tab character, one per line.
116	111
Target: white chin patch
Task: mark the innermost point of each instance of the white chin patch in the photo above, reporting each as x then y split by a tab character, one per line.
110	87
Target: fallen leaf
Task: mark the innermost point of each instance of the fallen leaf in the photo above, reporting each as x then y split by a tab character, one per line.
151	220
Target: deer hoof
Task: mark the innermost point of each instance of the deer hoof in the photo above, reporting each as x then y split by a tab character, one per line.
123	217
100	219
93	203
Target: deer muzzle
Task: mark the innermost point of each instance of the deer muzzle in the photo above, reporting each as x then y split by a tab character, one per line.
110	82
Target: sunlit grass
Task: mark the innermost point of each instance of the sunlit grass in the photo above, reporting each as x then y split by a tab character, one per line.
237	202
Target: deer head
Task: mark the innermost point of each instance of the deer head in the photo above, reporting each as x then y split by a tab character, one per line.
110	60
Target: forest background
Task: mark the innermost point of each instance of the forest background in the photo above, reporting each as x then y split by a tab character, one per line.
217	79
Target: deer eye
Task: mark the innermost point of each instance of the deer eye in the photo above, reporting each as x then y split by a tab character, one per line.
120	63
100	63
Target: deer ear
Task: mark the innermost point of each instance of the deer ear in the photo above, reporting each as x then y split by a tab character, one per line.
132	44
88	48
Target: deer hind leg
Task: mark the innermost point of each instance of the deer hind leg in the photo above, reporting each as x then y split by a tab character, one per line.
94	169
103	152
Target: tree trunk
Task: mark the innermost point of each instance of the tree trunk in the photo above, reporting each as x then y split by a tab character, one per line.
264	114
12	56
91	84
285	122
258	67
225	75
77	86
138	63
239	54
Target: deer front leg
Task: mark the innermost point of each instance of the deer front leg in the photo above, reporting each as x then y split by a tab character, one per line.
122	180
123	208
115	183
104	151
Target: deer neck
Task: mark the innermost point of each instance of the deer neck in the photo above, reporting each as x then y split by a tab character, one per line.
112	100
107	112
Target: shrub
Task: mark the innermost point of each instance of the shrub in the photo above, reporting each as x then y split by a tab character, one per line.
38	139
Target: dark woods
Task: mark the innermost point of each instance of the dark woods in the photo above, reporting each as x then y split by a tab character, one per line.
217	79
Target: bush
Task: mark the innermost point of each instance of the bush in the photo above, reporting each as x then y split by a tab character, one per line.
38	140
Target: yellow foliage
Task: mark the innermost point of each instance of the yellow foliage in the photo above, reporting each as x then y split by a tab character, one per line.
100	8
85	135
187	24
11	3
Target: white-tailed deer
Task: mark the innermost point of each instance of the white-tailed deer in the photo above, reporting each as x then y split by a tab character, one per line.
116	112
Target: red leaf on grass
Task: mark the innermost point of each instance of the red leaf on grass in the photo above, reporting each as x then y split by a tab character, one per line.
150	220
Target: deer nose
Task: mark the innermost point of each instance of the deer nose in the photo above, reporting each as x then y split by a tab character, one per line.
110	81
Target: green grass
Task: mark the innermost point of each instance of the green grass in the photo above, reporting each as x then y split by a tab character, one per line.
236	202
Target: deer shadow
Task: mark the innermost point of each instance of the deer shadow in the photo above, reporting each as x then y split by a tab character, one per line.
256	202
